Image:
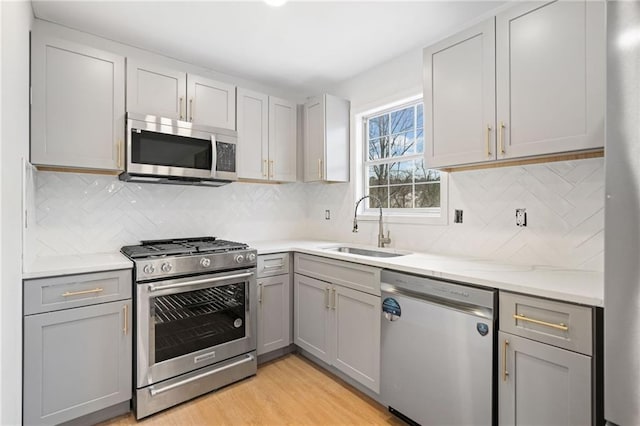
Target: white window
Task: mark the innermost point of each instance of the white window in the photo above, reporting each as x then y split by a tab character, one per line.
394	168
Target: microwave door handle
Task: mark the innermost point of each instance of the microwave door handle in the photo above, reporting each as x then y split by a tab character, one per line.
214	157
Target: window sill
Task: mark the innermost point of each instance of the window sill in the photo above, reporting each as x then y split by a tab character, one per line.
411	219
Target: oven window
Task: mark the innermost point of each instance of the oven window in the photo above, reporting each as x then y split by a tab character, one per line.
191	321
160	149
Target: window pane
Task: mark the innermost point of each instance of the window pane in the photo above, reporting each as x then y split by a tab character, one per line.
378	175
401	172
420	118
379	126
401	196
381	193
428	195
420	141
425	175
379	148
402	120
402	144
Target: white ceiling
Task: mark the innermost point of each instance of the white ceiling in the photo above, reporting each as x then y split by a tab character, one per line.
302	46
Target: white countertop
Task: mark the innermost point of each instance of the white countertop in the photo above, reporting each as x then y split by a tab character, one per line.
583	287
52	266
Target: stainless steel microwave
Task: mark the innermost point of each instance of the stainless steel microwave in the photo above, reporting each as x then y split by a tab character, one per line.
162	150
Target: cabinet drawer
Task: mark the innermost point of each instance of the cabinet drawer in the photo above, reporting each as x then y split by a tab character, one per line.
72	291
273	264
556	323
352	275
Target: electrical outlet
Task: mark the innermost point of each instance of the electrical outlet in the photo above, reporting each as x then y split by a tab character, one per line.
327	215
521	217
457	217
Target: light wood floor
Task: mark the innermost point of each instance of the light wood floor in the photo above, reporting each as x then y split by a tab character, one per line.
287	391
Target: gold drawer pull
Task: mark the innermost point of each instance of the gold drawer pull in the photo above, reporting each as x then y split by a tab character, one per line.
560	326
78	293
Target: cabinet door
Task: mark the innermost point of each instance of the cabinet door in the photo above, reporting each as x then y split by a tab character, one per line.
253	135
550	77
311	316
356	329
211	103
76	361
273	313
543	385
156	90
314	133
283	117
459	98
77	112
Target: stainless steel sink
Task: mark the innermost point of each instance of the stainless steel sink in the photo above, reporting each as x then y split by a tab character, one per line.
366	252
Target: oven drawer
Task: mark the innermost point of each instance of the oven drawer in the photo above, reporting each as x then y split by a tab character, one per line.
273	264
556	323
72	291
358	277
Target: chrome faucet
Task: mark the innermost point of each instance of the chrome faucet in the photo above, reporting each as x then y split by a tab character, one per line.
382	240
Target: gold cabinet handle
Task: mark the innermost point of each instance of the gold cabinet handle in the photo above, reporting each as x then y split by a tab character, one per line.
181	100
259	292
333	299
561	326
327	290
505	373
488	141
191	109
271	169
319	168
125	308
265	169
78	293
501	137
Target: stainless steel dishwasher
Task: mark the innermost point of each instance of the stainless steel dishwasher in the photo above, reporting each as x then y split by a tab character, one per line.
438	344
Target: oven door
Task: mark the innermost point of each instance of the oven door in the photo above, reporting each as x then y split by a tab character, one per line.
188	323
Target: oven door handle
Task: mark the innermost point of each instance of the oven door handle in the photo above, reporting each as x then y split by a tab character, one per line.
155	391
153	287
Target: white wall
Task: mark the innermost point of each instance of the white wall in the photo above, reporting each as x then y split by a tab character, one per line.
16	20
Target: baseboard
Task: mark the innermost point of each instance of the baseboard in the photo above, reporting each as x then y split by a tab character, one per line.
278	353
340	375
102	415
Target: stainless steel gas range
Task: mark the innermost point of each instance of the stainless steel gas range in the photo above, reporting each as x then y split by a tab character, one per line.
195	324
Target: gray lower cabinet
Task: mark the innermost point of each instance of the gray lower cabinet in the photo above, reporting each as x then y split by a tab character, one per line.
274	315
340	326
542	385
76	362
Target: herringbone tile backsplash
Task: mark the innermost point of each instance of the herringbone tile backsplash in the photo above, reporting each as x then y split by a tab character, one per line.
81	213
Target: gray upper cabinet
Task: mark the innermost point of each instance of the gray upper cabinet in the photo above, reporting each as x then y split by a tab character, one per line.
267	139
326	139
77	110
527	83
459	94
540	384
156	90
76	362
550	77
166	92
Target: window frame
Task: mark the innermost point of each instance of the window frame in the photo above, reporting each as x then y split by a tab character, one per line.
430	215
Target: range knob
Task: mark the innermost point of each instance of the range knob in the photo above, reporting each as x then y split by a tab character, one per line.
148	269
251	257
205	263
239	258
166	267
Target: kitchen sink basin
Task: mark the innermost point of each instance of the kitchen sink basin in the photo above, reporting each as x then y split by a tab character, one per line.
366	252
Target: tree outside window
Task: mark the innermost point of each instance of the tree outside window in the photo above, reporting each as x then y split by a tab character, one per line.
394	167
